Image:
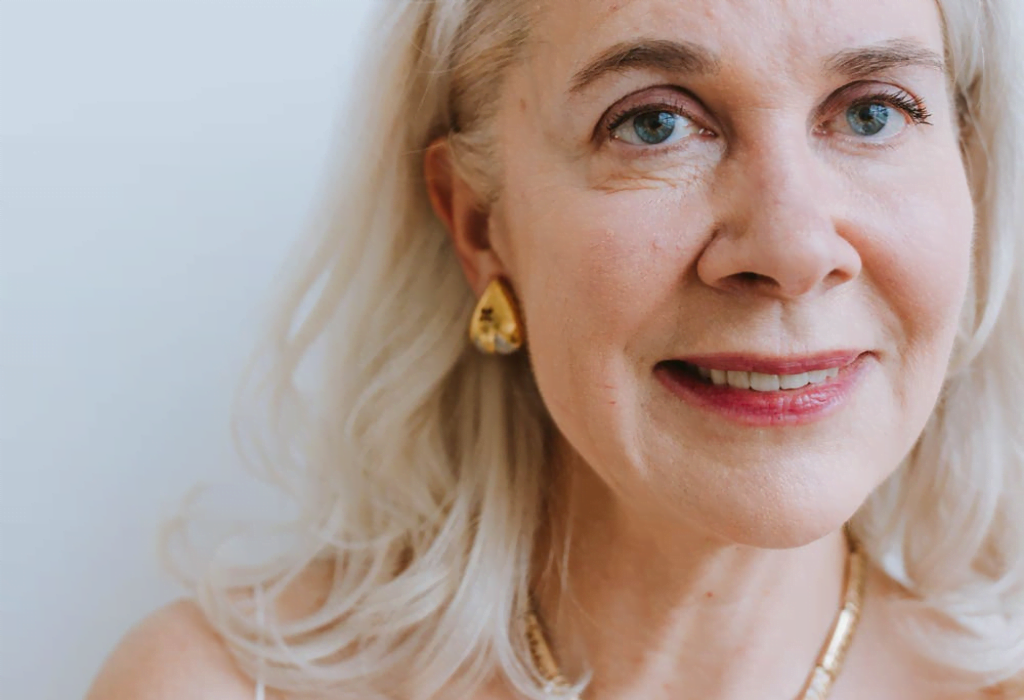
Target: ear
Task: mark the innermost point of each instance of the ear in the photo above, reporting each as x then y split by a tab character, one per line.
462	214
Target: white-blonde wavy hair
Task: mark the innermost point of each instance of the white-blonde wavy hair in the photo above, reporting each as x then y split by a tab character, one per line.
417	465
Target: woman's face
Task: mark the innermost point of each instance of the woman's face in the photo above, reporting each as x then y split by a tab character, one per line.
737	186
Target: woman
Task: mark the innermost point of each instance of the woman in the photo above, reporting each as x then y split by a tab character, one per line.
741	419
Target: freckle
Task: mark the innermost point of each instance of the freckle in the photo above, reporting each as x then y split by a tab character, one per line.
522	105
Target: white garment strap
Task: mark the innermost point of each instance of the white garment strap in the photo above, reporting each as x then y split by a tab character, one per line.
261	691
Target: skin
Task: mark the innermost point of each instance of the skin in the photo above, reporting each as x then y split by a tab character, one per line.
622	258
707	556
706	559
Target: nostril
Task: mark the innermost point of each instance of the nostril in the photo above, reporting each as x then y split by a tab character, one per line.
839	276
750	280
770	262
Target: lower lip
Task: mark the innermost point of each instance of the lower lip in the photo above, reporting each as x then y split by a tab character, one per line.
767	408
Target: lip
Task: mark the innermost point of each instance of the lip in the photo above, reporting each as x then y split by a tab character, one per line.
811	403
774	365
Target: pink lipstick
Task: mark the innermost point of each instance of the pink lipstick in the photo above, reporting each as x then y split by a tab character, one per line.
765	391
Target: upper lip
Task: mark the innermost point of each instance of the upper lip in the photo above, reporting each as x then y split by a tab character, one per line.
764	364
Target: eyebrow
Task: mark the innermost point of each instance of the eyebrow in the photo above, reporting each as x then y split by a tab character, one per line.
683	57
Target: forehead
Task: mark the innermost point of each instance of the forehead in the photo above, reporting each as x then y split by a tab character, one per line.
765	35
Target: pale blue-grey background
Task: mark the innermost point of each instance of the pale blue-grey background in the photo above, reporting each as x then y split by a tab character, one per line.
157	160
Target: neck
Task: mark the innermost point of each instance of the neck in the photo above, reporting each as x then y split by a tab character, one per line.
657	608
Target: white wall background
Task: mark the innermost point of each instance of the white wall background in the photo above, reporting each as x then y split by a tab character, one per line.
157	159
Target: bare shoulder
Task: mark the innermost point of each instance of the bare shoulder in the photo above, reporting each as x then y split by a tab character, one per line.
1012	689
173	653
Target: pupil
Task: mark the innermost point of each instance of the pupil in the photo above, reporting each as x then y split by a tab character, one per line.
868	120
654	127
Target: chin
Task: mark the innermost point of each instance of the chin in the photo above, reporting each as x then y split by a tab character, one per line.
780	505
785	531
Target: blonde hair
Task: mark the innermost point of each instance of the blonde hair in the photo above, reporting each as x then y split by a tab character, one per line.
415	462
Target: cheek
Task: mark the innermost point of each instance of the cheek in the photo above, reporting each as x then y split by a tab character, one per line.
920	259
917	262
596	267
593	271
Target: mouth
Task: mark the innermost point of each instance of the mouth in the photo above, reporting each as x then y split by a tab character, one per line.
761	391
756	381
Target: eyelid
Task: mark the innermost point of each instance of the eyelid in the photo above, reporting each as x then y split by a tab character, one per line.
865	90
914	111
644	101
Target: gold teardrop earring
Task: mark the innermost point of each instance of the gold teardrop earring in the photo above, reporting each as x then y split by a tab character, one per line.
496	327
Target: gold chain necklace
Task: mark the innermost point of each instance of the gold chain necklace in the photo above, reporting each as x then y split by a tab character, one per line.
819	682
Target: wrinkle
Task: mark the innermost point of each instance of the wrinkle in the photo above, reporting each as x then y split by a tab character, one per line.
688	177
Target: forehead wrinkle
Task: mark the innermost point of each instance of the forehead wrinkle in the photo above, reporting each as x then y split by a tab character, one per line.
646	47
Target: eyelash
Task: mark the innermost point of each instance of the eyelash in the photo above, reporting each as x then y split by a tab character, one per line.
901	100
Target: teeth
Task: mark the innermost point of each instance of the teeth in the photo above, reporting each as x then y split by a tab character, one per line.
793	381
818	376
766	382
740	380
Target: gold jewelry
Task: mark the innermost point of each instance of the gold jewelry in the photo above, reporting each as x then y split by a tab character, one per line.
823	675
496	327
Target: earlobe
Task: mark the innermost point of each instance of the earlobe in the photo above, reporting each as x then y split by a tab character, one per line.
458	208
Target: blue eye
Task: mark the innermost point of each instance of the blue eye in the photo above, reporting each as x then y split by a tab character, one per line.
653	128
868	119
882	116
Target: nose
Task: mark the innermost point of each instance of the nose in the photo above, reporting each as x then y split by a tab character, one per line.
779	226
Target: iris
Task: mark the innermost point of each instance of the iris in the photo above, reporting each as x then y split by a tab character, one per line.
654	127
868	119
